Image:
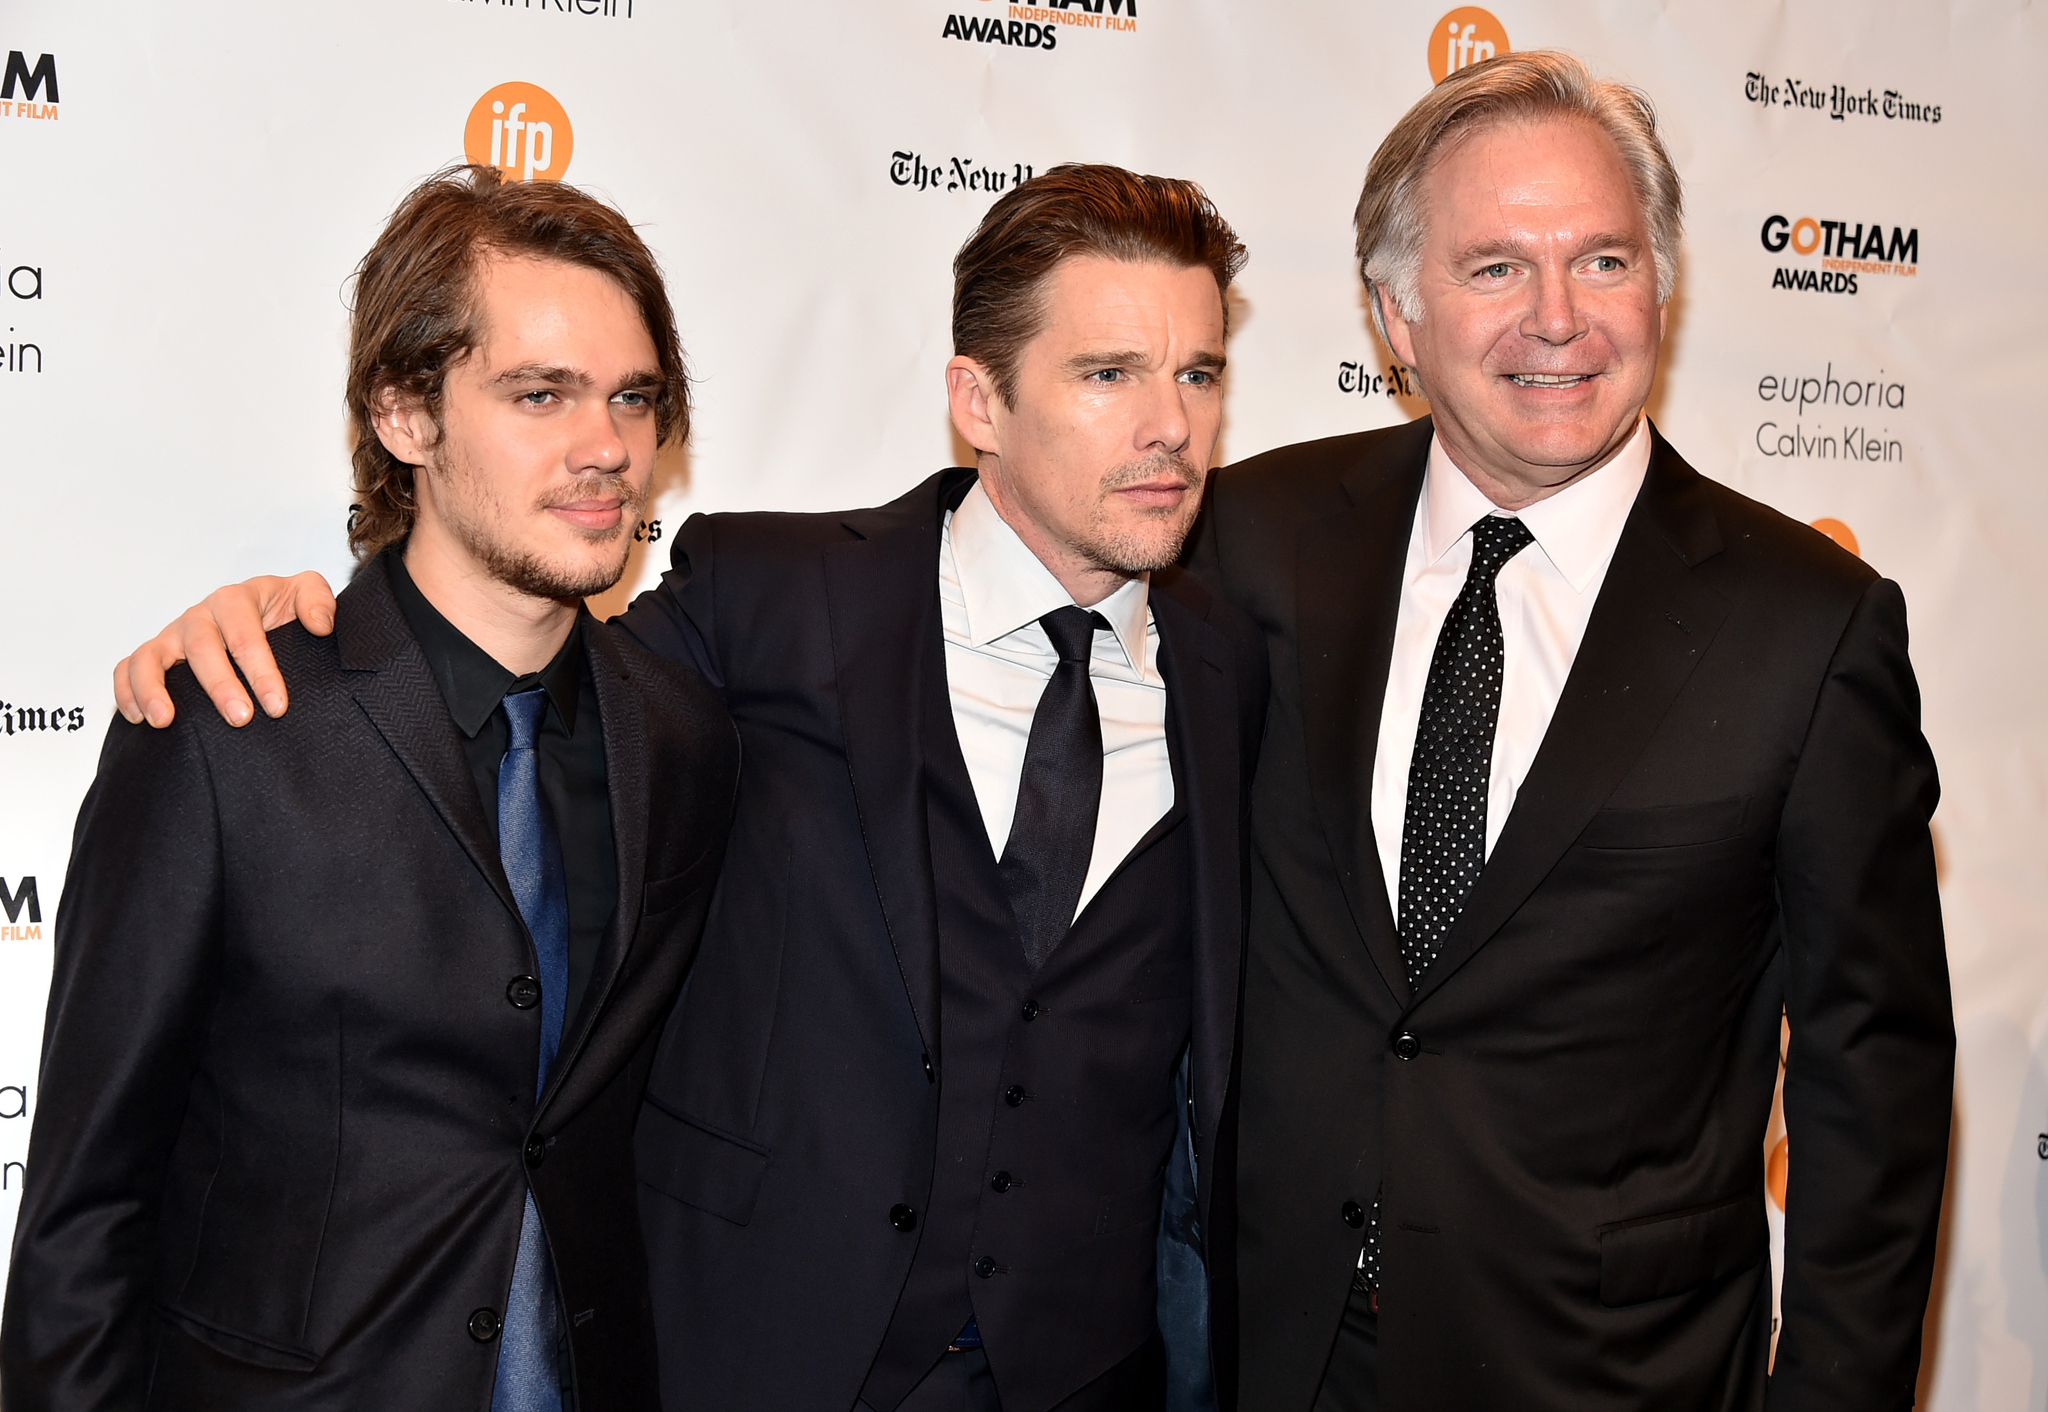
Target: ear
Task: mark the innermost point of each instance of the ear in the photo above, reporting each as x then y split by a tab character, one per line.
1400	337
971	396
403	426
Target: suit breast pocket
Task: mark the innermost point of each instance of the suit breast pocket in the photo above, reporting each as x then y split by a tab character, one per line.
666	894
1667	825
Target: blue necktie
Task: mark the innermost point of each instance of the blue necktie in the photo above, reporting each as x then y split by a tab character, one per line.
528	1379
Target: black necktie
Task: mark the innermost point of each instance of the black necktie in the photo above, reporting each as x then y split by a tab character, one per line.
1052	834
1443	837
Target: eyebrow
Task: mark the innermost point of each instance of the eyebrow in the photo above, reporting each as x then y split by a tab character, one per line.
1132	358
1494	249
556	375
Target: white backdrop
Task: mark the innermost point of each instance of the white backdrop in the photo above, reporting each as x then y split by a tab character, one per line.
187	185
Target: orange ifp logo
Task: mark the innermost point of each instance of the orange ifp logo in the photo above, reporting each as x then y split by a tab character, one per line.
521	130
1466	36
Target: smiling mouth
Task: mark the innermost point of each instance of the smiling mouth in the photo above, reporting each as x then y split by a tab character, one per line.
1549	379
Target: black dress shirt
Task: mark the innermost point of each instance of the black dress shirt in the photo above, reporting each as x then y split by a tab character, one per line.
571	751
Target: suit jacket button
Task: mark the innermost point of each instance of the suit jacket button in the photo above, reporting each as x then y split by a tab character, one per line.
536	1150
903	1218
986	1267
1354	1215
1015	1095
523	992
1001	1182
1406	1045
1032	1010
483	1325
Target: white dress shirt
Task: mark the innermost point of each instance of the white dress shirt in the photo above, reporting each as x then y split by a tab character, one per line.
1545	594
992	592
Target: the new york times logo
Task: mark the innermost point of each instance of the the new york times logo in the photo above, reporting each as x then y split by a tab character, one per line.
15	901
31	720
956	174
1837	101
22	84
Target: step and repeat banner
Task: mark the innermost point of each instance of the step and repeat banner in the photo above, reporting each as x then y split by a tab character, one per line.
1856	339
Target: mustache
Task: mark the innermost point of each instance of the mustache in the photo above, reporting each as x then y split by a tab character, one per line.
1152	468
609	486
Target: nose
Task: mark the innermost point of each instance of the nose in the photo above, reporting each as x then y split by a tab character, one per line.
598	449
1553	316
1166	426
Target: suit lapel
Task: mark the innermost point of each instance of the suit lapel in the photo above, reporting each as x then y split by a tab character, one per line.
1651	625
395	688
624	718
882	596
1202	741
1348	577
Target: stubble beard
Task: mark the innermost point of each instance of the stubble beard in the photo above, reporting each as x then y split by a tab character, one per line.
523	570
1156	540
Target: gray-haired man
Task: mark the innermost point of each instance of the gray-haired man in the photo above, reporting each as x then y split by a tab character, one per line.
1580	770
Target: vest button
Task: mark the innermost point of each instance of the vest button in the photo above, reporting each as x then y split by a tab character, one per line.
1406	1045
903	1218
483	1325
536	1150
523	992
1354	1215
1001	1182
984	1267
1015	1095
931	1075
1032	1010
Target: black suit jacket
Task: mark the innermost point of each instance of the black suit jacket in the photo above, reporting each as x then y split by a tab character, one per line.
792	1107
277	1155
1727	819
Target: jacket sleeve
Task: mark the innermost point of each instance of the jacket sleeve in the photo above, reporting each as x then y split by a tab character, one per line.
1869	1075
137	952
675	619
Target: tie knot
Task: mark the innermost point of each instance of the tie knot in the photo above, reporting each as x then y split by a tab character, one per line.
1072	631
1495	540
523	711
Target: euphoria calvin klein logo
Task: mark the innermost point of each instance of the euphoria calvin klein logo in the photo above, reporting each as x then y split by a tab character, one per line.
16	900
521	130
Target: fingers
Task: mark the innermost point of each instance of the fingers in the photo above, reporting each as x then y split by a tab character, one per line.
124	694
139	682
312	603
207	655
235	620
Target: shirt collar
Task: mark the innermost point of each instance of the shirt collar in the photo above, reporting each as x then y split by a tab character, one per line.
1004	586
1577	528
471	680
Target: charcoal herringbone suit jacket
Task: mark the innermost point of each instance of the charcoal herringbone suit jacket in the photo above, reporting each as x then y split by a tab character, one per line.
287	1121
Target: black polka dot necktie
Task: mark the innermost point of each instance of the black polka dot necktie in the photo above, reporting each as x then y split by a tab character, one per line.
1052	834
1443	837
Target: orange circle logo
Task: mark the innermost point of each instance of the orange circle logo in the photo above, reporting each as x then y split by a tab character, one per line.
521	130
1840	534
1466	36
1806	235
